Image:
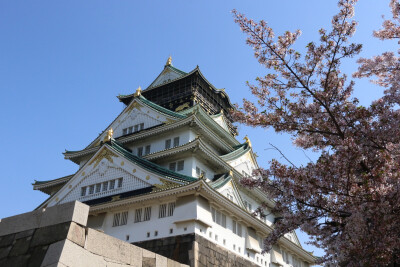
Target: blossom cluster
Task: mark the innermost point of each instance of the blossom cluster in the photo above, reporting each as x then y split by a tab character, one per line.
348	200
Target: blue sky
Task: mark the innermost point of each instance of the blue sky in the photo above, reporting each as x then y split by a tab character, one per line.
62	64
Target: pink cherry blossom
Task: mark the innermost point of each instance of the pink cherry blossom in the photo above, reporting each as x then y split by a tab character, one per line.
348	201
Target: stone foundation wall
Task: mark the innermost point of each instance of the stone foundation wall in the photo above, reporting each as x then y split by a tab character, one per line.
58	236
195	251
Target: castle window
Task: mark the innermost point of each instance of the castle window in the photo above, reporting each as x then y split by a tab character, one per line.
155	233
127	238
120	218
147	150
83	191
140	151
98	187
223	220
138	215
171	208
147	214
239	249
148	234
236	228
171	231
124	131
163	211
91	189
112	184
124	218
239	230
176	141
141	126
105	186
167	143
119	182
136	127
218	217
117	216
172	166
200	172
181	165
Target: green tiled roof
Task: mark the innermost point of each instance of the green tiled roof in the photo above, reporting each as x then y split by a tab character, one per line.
221	181
160	108
149	165
239	151
54	180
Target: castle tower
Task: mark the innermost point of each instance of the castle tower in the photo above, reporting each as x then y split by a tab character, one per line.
164	176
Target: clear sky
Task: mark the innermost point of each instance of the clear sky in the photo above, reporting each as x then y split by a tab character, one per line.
62	64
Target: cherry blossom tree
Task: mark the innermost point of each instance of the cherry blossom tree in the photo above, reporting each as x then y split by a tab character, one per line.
348	200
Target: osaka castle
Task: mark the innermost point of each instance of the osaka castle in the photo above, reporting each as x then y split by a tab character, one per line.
164	175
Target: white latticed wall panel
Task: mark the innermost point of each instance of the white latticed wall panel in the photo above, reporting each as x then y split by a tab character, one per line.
102	174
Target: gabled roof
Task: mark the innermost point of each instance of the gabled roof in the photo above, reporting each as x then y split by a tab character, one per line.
141	100
120	150
204	120
239	151
168	68
127	98
148	164
51	185
220	181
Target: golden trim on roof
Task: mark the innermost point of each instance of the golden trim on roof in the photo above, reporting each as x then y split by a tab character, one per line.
169	61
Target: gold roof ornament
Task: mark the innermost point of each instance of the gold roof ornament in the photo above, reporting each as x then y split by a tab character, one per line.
231	173
169	61
110	134
247	140
138	91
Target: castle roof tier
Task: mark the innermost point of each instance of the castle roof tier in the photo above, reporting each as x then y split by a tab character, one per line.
168	168
177	90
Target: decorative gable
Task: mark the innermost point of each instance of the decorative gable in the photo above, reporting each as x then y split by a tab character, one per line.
244	164
220	119
229	191
106	174
135	117
167	75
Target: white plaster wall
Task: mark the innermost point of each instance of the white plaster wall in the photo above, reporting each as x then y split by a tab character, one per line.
199	163
231	239
158	142
138	231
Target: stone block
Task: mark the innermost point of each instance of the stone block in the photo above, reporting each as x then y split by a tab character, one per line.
136	256
53	254
149	262
37	256
25	233
70	254
76	234
4	252
148	254
171	263
6	240
20	247
19	223
69	212
15	261
50	234
108	246
161	261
